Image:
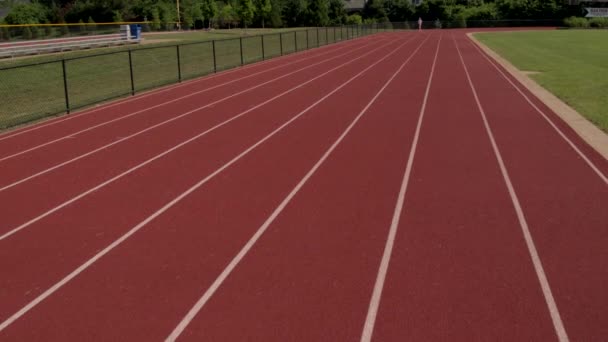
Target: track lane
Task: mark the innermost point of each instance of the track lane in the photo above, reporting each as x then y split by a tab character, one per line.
311	273
48	131
75	146
563	199
83	174
135	191
594	159
459	269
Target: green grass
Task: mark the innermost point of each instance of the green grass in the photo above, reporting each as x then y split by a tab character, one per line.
572	64
30	92
189	36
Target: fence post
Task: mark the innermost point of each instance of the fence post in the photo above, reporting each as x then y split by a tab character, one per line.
307	47
65	87
318	44
131	72
241	45
326	36
335	38
179	65
263	54
295	41
281	42
214	58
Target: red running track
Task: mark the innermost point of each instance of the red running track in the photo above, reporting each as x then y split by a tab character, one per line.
396	187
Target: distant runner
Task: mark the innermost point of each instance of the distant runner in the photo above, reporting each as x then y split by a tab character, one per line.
419	23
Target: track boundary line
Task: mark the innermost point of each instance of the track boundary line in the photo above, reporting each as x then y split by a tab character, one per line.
52	121
582	126
170	204
372	312
558	325
137	112
208	105
242	253
546	117
172	149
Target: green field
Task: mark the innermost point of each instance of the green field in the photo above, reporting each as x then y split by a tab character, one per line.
30	92
201	35
572	64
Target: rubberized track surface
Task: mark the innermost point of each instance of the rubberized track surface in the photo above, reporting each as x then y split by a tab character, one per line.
390	188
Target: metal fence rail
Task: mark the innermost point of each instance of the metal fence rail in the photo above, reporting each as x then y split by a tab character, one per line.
33	91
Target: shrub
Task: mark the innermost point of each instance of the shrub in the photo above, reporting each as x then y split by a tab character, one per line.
91	26
5	34
27	33
354	19
576	22
598	22
50	31
460	21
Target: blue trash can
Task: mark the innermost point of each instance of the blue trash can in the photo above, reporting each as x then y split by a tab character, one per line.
135	31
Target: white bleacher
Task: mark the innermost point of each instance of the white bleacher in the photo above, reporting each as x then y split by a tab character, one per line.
24	48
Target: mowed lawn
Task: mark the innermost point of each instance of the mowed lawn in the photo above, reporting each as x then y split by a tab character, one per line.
202	35
572	64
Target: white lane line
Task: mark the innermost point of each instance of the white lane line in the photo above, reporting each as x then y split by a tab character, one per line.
372	312
173	202
157	105
538	266
546	117
174	118
158	156
237	259
340	45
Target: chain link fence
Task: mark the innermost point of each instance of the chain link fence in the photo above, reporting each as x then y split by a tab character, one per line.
33	91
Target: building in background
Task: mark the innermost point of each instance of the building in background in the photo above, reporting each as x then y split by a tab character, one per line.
354	5
3	12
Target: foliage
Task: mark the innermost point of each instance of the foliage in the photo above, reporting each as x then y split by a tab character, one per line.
294	12
576	22
375	9
318	13
245	12
226	15
336	12
354	19
278	13
209	11
598	22
26	14
263	10
399	10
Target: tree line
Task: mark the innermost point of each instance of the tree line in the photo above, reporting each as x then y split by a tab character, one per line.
277	13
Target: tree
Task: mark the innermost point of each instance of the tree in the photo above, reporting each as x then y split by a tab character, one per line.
375	9
294	12
117	17
91	24
354	19
22	14
246	12
263	9
318	12
155	19
191	12
276	13
226	15
210	10
399	10
337	12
